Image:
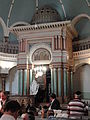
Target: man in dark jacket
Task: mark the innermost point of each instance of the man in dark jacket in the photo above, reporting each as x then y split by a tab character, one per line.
55	104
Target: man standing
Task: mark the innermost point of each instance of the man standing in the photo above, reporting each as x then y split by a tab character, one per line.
3	101
76	107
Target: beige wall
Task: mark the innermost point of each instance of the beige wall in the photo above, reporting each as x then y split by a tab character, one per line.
82	80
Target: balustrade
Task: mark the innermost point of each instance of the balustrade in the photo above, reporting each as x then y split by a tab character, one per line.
81	45
9	48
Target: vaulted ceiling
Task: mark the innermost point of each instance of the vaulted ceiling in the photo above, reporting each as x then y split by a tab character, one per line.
14	11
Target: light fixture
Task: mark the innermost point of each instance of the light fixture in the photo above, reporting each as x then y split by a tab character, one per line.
39	70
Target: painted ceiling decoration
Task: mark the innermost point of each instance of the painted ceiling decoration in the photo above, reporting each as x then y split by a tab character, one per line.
63	8
10	10
22	13
88	3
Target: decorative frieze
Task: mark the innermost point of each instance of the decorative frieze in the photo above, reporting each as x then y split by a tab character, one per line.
39	26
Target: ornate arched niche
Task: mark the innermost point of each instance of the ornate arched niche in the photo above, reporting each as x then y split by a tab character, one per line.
40	55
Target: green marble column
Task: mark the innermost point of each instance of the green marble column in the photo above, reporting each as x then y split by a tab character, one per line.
71	82
55	81
65	82
30	74
52	89
59	82
30	78
68	83
20	88
25	82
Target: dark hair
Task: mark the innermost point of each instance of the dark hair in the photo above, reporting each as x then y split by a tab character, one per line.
12	106
45	108
53	95
31	116
78	93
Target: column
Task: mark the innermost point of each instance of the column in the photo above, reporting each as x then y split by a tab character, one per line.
65	82
59	44
71	83
64	44
28	82
59	82
52	78
25	82
68	83
20	84
30	78
55	81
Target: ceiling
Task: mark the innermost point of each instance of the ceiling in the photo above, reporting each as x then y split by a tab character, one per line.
12	11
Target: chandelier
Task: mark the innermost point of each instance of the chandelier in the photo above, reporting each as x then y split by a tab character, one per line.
39	70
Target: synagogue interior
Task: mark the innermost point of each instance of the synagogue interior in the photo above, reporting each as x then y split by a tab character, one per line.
44	49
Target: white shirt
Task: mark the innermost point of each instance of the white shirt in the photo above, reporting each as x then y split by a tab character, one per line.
51	104
34	87
7	117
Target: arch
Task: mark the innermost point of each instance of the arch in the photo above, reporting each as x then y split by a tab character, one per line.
5	30
13	80
37	46
79	65
78	18
81	80
13	68
19	24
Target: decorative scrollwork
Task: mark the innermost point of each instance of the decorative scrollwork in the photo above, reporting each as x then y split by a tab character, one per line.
88	3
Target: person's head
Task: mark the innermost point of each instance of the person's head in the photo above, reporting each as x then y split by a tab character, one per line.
12	107
77	94
45	108
31	115
3	95
52	96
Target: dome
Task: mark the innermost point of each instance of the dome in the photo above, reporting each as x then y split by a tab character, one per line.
23	12
45	15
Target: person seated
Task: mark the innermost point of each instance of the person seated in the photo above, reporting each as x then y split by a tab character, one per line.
31	115
44	111
24	114
54	103
28	115
77	107
32	109
50	115
11	110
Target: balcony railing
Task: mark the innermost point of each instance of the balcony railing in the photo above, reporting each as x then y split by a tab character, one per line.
81	45
8	48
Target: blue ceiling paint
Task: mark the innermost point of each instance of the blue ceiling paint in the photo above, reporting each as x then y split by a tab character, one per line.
23	10
83	28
